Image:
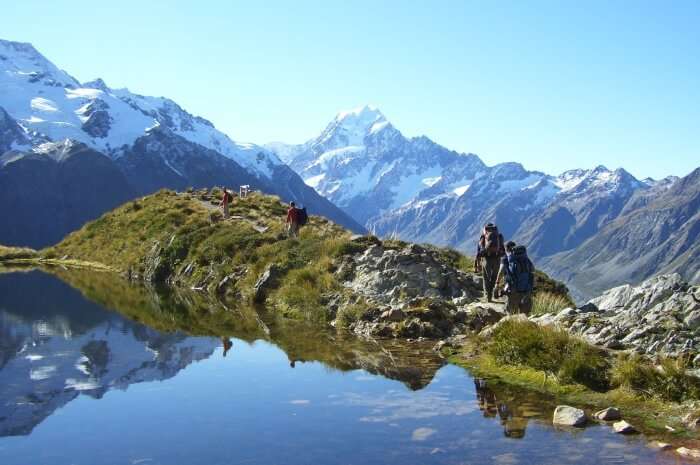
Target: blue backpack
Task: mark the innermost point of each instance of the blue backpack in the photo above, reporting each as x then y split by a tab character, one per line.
521	275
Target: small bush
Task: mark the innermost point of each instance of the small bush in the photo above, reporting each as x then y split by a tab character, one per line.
547	302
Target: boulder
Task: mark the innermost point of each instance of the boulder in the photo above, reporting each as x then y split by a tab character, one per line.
394	314
622	427
565	415
608	414
685	452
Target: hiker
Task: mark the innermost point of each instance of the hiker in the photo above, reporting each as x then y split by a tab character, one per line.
225	200
519	274
488	253
296	218
292	220
227	344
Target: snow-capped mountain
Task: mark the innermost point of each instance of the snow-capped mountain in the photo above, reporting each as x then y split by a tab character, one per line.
48	101
417	190
154	141
367	167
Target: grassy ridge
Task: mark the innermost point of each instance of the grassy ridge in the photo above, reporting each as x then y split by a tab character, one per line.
181	239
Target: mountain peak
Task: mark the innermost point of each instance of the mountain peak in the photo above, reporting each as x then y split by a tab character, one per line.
363	112
21	59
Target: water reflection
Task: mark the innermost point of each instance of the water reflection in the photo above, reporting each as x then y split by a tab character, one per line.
81	385
57	342
56	345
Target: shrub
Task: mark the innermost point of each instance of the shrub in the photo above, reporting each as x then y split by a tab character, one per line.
550	350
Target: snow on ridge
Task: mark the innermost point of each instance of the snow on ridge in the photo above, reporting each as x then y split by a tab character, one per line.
314	181
49	101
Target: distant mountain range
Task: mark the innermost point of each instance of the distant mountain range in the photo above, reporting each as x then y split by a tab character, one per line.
417	190
72	150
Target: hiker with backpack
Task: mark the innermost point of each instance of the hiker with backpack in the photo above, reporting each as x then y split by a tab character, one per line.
296	218
226	199
489	251
519	274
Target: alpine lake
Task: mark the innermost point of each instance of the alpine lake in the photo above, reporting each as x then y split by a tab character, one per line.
97	371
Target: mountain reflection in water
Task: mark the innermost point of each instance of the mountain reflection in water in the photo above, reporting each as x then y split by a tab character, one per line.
176	379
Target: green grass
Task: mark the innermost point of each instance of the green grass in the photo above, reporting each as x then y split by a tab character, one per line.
668	381
548	302
549	350
16	253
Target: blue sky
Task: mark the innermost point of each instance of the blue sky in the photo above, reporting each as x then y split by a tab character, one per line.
554	85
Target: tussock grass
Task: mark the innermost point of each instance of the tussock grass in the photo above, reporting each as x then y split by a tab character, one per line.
668	381
548	302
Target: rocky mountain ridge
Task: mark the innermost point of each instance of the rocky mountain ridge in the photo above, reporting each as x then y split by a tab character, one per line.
416	190
152	140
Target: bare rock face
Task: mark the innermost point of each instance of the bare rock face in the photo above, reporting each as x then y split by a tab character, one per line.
412	291
391	276
661	316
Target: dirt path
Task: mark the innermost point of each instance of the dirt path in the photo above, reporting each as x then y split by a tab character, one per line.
261	228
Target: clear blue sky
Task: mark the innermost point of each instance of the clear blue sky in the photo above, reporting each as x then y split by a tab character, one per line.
553	85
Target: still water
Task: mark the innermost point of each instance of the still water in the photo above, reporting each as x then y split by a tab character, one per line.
81	384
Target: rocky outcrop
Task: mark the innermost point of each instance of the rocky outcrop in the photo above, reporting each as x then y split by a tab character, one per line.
660	316
411	291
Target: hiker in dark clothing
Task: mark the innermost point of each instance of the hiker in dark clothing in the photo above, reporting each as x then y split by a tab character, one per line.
488	253
292	220
519	274
227	345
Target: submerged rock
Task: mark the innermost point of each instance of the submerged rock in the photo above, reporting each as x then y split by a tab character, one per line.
569	416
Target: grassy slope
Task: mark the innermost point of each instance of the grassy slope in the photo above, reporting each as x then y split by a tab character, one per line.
172	237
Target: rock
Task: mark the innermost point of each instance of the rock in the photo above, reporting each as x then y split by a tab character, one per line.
490	329
266	281
657	317
569	416
659	445
588	308
685	452
692	321
394	314
608	414
622	427
691	420
480	315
